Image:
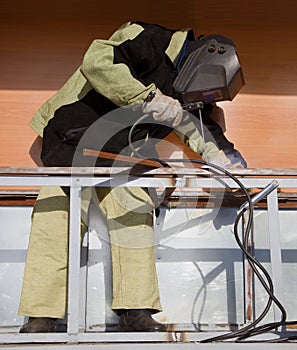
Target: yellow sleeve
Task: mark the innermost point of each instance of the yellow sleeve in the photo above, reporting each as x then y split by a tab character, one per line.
114	81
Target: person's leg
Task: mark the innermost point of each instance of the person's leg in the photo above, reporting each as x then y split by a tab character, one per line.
44	290
129	215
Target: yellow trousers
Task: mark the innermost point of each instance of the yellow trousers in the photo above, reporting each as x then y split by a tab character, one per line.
129	220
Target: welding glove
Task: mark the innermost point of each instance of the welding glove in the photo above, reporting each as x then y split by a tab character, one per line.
236	159
164	108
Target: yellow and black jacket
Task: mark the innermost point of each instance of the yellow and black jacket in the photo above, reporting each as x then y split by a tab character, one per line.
120	71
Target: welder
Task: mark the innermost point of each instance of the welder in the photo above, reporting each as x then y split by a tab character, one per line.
145	66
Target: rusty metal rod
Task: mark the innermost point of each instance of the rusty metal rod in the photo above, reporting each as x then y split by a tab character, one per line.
122	158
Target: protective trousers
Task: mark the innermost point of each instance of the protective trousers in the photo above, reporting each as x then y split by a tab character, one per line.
129	220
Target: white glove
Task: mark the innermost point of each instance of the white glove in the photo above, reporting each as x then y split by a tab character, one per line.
164	108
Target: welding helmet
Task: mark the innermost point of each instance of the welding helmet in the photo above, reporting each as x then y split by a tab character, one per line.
210	73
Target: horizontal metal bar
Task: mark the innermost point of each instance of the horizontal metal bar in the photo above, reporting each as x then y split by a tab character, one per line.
182	182
97	171
221	182
170	346
130	340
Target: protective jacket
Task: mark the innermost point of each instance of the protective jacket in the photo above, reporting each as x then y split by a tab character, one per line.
121	71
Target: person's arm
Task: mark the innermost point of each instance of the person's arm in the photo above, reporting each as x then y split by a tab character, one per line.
211	116
114	81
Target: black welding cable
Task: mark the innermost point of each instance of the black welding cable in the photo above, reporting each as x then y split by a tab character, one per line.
244	330
250	258
251	329
256	266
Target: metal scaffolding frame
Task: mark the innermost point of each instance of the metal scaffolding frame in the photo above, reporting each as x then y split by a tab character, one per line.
78	178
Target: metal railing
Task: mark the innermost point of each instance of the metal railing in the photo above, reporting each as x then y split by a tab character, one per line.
78	178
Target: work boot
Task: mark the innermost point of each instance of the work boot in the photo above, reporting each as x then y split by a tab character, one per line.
39	325
139	321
